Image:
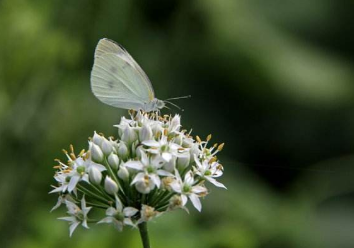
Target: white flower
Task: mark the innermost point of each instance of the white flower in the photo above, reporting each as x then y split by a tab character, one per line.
147	213
80	170
110	186
124	122
151	170
153	161
62	179
175	124
176	202
162	147
188	189
143	183
208	171
61	200
119	216
77	215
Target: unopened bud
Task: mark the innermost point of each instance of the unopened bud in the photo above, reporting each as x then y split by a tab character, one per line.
113	161
183	161
97	139
129	135
110	186
96	153
145	133
123	151
170	165
106	146
123	173
95	175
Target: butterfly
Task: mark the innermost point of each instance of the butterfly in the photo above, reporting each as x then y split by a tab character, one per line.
118	80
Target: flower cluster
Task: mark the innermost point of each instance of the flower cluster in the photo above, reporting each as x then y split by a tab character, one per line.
153	167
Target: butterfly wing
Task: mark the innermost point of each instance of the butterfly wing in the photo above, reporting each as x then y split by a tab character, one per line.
126	75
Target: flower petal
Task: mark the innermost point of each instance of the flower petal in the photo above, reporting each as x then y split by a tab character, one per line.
73	227
73	181
216	183
130	211
151	143
134	165
196	202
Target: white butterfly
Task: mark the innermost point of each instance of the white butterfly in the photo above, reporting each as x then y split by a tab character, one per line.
117	80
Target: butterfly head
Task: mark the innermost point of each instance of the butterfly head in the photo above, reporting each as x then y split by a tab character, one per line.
154	105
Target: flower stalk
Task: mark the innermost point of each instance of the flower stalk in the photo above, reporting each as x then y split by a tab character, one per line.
144	235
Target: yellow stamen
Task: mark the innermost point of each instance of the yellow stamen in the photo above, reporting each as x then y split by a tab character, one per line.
56	167
221	146
87	155
65	151
72	156
165	132
198	139
208	138
82	152
212	160
71	148
215	145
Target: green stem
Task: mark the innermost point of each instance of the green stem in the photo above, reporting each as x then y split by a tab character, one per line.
144	234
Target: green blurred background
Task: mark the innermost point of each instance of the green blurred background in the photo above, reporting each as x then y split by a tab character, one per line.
272	79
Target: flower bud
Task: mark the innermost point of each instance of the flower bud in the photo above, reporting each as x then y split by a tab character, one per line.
95	175
183	161
113	160
133	150
123	173
123	151
145	133
96	153
147	213
106	146
110	186
122	125
138	151
175	202
129	135
170	165
97	139
194	151
178	140
187	142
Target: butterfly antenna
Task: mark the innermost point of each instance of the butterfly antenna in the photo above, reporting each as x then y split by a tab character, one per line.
175	105
180	97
